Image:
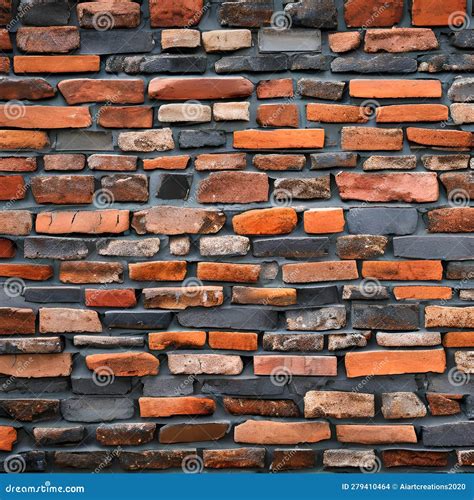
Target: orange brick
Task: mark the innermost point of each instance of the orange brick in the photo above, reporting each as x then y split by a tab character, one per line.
278	220
312	272
166	163
278	115
324	220
459	339
409	270
422	292
435	12
173	270
124	364
237	341
168	407
412	113
371	139
34	272
387	89
376	434
56	64
122	297
337	113
279	139
237	273
440	137
161	340
282	87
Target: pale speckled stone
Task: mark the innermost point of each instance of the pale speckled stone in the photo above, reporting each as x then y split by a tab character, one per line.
224	245
231	111
402	405
180	38
338	341
184	112
209	364
464	361
180	245
365	459
408	339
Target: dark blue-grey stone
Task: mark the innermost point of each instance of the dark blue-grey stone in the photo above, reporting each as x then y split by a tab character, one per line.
151	64
34	386
32	345
97	409
201	138
26	461
43	247
320	89
469	407
107	342
452	434
446	62
137	320
382	63
254	64
116	42
311	62
463	39
382	220
341	159
174	186
317	296
441	383
94	140
396	317
313	14
461	90
460	271
51	294
291	247
241	318
242	387
44	12
445	247
113	387
289	40
168	386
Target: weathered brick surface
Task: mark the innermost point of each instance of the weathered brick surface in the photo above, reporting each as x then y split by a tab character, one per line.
224	233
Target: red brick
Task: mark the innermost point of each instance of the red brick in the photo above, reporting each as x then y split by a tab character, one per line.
7	248
344	41
312	272
36	365
395	88
4	65
295	365
175	13
336	113
12	187
233	187
205	88
80	90
120	297
264	296
161	340
166	163
422	292
407	187
169	407
279	162
451	220
124	364
16	321
444	404
279	139
34	272
17	164
414	458
370	363
64	162
54	39
267	89
369	13
376	434
221	161
279	220
6	8
278	115
412	113
458	339
400	40
108	14
324	220
56	64
237	273
436	12
125	117
235	341
440	137
409	270
173	270
23	139
371	139
63	190
5	41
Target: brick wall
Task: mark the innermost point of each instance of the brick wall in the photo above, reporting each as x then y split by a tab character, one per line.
236	235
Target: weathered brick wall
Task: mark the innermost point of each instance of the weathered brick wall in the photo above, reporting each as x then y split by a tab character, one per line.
236	235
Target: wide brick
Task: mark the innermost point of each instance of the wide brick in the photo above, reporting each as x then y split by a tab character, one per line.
271	221
279	139
360	364
64	162
181	298
108	14
63	190
376	434
278	115
56	64
451	220
161	340
220	161
436	12
440	137
361	13
157	271
179	13
15	222
312	272
187	112
23	139
34	272
36	365
125	434
371	139
235	341
184	89
81	90
318	318
124	364
15	320
293	342
169	406
125	117
396	405
295	365
400	40
307	188
422	292
233	187
55	39
90	222
18	164
166	163
269	432
155	459
231	111
209	364
147	140
449	317
414	458
341	458
63	320
389	317
279	162
407	187
412	113
459	186
293	459
337	113
235	458
190	433
458	339
337	404
268	89
361	246
124	297
324	220
90	272
264	296
403	270
444	404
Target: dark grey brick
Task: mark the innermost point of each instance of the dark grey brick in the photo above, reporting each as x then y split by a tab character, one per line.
245	318
87	385
460	271
291	247
382	63
41	345
85	140
174	186
97	409
44	12
201	138
461	90
395	317
83	459
311	62
107	342
452	434
34	386
246	14
116	42
29	461
42	247
254	64
242	387
445	247
341	159
51	294
313	13
446	62
463	39
137	320
382	220
318	296
168	386
329	91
